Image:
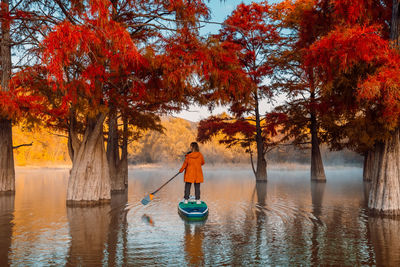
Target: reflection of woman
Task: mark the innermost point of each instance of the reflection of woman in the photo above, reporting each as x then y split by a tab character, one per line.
194	244
193	172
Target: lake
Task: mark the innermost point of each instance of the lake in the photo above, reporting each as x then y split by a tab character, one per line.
287	221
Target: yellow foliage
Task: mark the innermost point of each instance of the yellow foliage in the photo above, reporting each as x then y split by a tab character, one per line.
47	148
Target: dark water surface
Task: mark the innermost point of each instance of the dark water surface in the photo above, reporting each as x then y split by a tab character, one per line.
287	221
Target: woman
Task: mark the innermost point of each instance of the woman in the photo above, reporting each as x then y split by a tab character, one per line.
193	172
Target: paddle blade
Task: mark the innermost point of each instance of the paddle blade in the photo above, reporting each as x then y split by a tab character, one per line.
146	200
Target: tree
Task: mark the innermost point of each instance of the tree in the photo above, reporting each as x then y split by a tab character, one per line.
364	49
252	37
302	23
22	26
7	174
92	69
164	30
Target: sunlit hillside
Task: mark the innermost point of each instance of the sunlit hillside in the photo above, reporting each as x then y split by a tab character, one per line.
49	149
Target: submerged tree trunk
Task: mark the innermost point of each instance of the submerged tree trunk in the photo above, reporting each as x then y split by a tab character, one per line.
371	164
89	181
384	196
123	166
317	167
261	169
118	165
7	172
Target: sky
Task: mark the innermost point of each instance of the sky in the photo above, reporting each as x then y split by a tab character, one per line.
220	10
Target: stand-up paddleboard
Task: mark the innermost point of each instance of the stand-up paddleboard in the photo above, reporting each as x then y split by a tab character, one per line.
193	211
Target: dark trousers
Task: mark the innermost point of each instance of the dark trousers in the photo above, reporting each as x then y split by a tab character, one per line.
196	190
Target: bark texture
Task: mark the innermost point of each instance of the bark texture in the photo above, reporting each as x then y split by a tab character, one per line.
384	196
89	181
7	172
317	166
371	164
118	165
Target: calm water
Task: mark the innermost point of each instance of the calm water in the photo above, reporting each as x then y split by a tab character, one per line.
287	221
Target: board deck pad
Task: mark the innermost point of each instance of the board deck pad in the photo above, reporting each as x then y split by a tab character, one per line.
192	210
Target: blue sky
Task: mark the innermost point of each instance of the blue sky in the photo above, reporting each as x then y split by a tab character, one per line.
220	10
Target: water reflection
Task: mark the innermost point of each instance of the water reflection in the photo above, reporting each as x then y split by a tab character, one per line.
88	228
287	221
385	239
193	243
97	229
118	229
317	196
6	225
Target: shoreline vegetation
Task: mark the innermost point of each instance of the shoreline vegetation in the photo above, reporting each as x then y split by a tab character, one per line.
213	167
154	149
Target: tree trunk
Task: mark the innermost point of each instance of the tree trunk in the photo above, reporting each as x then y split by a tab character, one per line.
384	196
317	167
89	181
7	172
118	165
371	164
123	166
261	169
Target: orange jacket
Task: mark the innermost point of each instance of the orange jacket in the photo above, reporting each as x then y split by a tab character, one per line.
192	167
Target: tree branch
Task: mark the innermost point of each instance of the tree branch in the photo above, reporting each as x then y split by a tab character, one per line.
16	147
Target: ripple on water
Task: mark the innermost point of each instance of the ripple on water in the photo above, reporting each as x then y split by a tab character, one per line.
287	221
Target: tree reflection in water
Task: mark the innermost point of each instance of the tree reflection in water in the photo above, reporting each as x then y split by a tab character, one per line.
97	229
6	225
385	239
317	196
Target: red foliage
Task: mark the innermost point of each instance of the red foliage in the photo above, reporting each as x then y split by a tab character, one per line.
347	48
209	128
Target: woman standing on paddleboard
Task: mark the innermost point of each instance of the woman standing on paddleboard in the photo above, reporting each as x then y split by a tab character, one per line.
193	172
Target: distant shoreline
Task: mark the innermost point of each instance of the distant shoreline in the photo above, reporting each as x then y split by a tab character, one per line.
222	167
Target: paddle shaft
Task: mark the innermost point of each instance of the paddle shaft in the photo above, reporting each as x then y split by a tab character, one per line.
165	183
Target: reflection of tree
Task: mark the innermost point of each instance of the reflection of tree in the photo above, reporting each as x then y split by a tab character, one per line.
118	228
261	189
89	230
6	225
385	239
194	244
317	195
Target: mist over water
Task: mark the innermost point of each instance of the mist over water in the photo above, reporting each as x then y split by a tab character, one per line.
287	221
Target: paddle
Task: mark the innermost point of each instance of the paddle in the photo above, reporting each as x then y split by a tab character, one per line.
149	197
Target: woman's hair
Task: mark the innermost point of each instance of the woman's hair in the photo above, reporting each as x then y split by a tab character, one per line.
194	146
